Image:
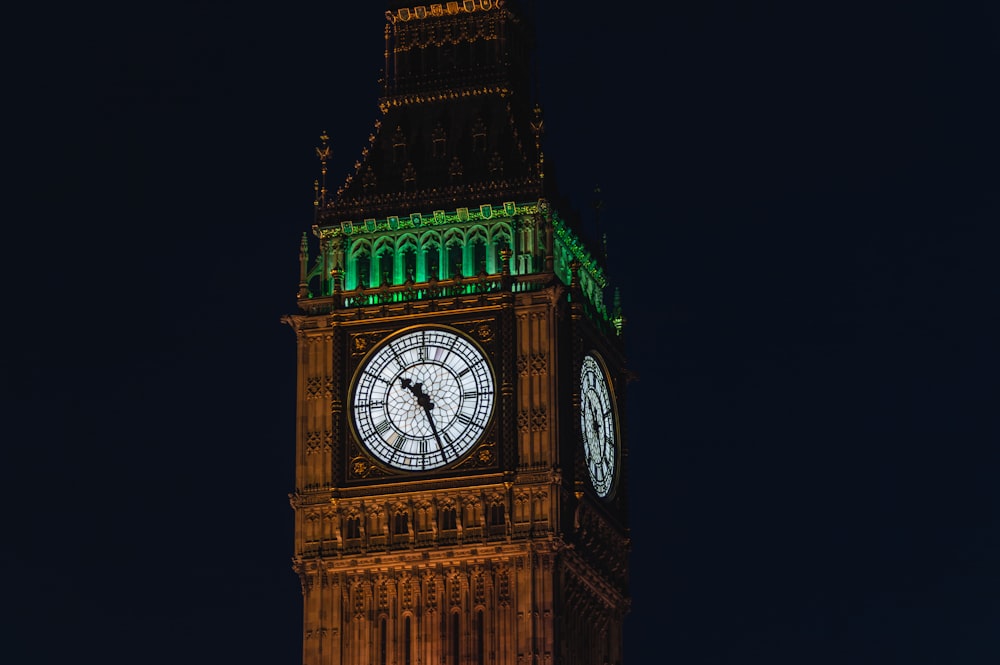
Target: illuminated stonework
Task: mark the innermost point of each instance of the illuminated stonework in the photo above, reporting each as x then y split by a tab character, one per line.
501	549
416	248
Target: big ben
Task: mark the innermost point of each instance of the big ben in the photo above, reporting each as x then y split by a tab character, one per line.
461	449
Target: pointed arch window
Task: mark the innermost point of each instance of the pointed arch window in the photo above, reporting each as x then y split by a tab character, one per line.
432	261
480	638
398	146
478	251
455	169
407	642
385	261
454	642
409	176
449	519
479	135
400	524
383	642
439	141
368	179
455	258
496	514
362	269
496	165
408	263
353	527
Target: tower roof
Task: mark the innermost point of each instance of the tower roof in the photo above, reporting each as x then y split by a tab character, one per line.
458	124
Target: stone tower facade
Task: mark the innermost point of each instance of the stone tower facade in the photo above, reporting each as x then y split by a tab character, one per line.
461	450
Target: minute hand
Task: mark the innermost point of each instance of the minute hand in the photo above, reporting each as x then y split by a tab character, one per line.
437	437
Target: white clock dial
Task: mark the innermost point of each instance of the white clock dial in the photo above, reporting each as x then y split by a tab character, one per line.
597	422
422	399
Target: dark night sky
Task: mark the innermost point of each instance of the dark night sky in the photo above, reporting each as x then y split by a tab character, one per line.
800	202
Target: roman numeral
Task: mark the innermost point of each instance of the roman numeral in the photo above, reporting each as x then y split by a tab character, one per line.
377	377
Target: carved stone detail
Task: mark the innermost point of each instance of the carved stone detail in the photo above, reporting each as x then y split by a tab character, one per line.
318	387
535	364
319	442
533	420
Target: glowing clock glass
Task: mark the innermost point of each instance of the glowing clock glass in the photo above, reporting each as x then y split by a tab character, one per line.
422	399
597	422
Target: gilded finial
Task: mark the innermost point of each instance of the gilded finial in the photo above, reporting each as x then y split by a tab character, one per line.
538	126
323	152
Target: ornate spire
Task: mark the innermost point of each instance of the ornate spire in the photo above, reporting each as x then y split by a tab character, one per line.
456	94
538	128
323	152
303	267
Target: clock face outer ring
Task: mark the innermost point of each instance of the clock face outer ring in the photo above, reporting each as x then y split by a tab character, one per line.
422	398
599	426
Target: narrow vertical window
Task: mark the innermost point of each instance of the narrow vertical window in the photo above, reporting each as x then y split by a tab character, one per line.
401	526
398	146
454	639
409	264
353	527
479	256
385	261
439	141
363	269
480	639
383	639
455	259
407	639
432	257
496	514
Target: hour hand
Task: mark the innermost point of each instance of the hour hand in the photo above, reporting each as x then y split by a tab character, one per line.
423	399
595	421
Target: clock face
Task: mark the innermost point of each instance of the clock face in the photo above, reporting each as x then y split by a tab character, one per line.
422	399
597	421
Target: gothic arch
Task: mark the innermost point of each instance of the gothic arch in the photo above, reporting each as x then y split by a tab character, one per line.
406	258
359	263
429	257
455	252
477	250
383	261
501	233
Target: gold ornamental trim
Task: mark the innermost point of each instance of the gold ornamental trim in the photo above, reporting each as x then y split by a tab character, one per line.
388	103
439	9
484	212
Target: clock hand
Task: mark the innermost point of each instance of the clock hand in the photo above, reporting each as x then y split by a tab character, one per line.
437	437
424	400
595	423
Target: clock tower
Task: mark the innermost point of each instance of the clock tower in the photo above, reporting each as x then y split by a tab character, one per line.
461	451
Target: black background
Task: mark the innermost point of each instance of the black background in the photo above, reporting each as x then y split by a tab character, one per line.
800	202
